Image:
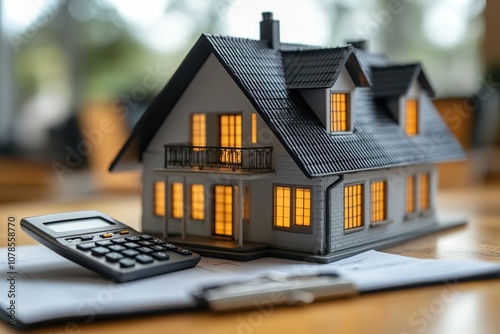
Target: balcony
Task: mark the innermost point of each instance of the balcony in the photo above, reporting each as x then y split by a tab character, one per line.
244	158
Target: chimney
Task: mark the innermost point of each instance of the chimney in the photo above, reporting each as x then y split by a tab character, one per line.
360	44
270	30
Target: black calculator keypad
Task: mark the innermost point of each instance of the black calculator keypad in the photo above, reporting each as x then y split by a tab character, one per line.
133	253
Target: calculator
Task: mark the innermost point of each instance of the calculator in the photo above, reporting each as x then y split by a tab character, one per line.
106	246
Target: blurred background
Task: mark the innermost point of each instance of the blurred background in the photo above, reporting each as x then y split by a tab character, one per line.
67	65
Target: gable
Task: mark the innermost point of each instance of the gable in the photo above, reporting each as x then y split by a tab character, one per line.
211	90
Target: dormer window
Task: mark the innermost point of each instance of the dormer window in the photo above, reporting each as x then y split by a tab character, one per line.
340	112
411	117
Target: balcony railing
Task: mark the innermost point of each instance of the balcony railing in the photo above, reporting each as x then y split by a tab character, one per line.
249	158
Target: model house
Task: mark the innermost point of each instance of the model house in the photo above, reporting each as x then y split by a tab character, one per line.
257	147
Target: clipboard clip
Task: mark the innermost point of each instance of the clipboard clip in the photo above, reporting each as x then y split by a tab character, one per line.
276	289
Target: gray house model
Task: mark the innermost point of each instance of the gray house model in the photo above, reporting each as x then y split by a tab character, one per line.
257	147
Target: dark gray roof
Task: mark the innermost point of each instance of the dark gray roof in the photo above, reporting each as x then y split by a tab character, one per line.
320	68
395	80
377	140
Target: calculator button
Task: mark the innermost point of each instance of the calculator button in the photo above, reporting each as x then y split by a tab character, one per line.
116	248
170	246
146	237
124	232
130	252
160	256
85	247
127	262
183	251
145	250
119	240
86	237
134	238
106	235
158	248
144	259
99	251
104	243
113	257
131	245
158	241
145	243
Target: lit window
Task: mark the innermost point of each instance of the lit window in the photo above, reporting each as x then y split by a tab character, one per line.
353	206
223	210
230	136
230	131
287	199
254	128
411	117
410	194
339	112
378	201
197	201
282	206
198	131
302	207
424	192
246	203
159	198
177	201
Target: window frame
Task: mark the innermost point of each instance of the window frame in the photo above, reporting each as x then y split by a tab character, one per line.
193	204
414	212
173	198
293	227
349	118
428	209
196	129
156	184
385	203
253	128
363	224
417	116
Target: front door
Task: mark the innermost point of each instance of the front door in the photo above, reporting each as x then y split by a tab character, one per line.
223	224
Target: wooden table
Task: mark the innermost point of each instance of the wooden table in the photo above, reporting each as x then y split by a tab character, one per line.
472	307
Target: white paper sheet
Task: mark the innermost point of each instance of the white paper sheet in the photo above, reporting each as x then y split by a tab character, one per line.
50	287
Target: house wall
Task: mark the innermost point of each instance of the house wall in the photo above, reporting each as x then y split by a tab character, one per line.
204	96
397	221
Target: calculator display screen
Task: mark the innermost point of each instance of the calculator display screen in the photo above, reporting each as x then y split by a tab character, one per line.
80	224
